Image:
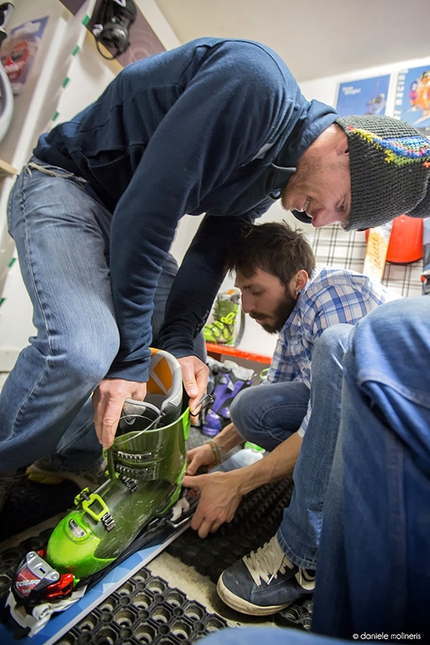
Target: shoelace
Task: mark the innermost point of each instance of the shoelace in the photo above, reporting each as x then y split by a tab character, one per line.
306	579
267	562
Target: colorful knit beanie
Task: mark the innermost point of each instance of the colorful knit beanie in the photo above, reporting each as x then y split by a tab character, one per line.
390	170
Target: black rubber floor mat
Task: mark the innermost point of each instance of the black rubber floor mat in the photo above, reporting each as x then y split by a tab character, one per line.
144	610
298	615
256	521
31	503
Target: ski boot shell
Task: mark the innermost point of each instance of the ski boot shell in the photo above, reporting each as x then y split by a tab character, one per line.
146	465
107	521
222	329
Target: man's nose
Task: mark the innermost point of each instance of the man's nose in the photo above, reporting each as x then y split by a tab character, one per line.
247	304
326	217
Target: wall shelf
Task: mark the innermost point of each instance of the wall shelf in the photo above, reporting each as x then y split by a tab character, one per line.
216	351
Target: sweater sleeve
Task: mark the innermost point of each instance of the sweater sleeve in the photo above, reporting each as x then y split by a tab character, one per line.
197	283
207	133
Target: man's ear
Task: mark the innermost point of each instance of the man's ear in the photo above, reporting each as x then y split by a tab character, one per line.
299	282
342	146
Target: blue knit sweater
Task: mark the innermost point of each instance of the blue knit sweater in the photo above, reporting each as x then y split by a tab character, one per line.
209	127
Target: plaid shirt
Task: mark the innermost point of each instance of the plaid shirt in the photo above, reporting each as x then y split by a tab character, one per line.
332	296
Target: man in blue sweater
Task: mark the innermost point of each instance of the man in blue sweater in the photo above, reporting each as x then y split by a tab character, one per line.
217	127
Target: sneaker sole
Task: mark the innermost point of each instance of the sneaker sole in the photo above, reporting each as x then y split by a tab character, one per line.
44	478
245	607
48	478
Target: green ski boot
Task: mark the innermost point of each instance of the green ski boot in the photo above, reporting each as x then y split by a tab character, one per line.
221	330
146	465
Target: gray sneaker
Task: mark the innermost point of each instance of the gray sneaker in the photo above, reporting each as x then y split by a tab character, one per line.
264	582
44	471
7	482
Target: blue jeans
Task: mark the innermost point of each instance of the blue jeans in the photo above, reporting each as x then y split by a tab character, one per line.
265	636
61	231
300	531
268	414
374	564
268	420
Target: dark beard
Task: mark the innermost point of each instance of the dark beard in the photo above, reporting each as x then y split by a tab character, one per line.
281	315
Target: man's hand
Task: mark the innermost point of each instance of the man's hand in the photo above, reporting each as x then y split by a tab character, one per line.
195	376
221	492
200	456
219	499
108	399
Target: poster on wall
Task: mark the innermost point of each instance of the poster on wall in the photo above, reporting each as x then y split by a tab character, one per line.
367	96
413	98
19	49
